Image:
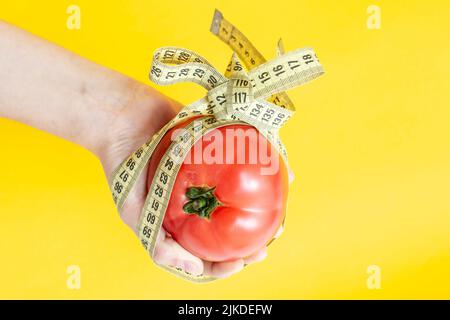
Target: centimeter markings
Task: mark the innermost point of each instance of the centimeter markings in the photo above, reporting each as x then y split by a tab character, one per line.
171	65
267	115
285	72
178	55
238	42
246	51
125	176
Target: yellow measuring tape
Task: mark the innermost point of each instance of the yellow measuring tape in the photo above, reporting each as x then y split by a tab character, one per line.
238	97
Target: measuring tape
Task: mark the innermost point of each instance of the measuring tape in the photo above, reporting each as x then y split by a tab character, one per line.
254	98
247	52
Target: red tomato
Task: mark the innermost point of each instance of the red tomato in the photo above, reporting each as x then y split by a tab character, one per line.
251	205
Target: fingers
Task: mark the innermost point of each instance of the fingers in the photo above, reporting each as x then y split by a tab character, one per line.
169	253
223	269
256	257
228	268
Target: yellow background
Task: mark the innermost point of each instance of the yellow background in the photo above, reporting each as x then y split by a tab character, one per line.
370	146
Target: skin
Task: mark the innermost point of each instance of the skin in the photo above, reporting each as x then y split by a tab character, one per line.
51	89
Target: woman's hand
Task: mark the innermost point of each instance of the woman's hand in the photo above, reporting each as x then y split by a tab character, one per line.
147	113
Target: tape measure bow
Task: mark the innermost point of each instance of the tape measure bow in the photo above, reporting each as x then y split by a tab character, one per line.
241	96
254	97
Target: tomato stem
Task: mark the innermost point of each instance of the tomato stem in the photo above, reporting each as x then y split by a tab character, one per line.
202	201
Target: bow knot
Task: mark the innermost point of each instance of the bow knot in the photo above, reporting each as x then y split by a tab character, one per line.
238	95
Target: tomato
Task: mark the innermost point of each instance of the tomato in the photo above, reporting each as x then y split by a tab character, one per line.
224	211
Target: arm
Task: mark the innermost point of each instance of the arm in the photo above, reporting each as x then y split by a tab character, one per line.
51	89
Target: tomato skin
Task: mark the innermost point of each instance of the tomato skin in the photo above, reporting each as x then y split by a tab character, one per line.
253	205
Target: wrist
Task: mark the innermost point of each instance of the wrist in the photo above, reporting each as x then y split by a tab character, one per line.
131	115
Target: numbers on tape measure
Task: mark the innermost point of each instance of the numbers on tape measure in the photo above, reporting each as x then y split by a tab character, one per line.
170	75
293	64
163	177
210	121
278	120
155	204
156	71
147	232
256	110
199	73
168	54
139	152
184	56
184	72
236	66
221	99
239	97
159	191
264	76
183	114
213	81
172	64
308	58
186	136
169	164
240	83
131	164
118	187
145	243
177	151
279	70
151	218
267	115
124	176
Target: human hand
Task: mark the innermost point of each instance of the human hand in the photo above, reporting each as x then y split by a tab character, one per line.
148	112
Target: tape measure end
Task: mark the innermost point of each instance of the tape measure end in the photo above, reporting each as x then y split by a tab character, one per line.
215	24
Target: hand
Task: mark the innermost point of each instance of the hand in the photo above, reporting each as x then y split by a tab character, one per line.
148	112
